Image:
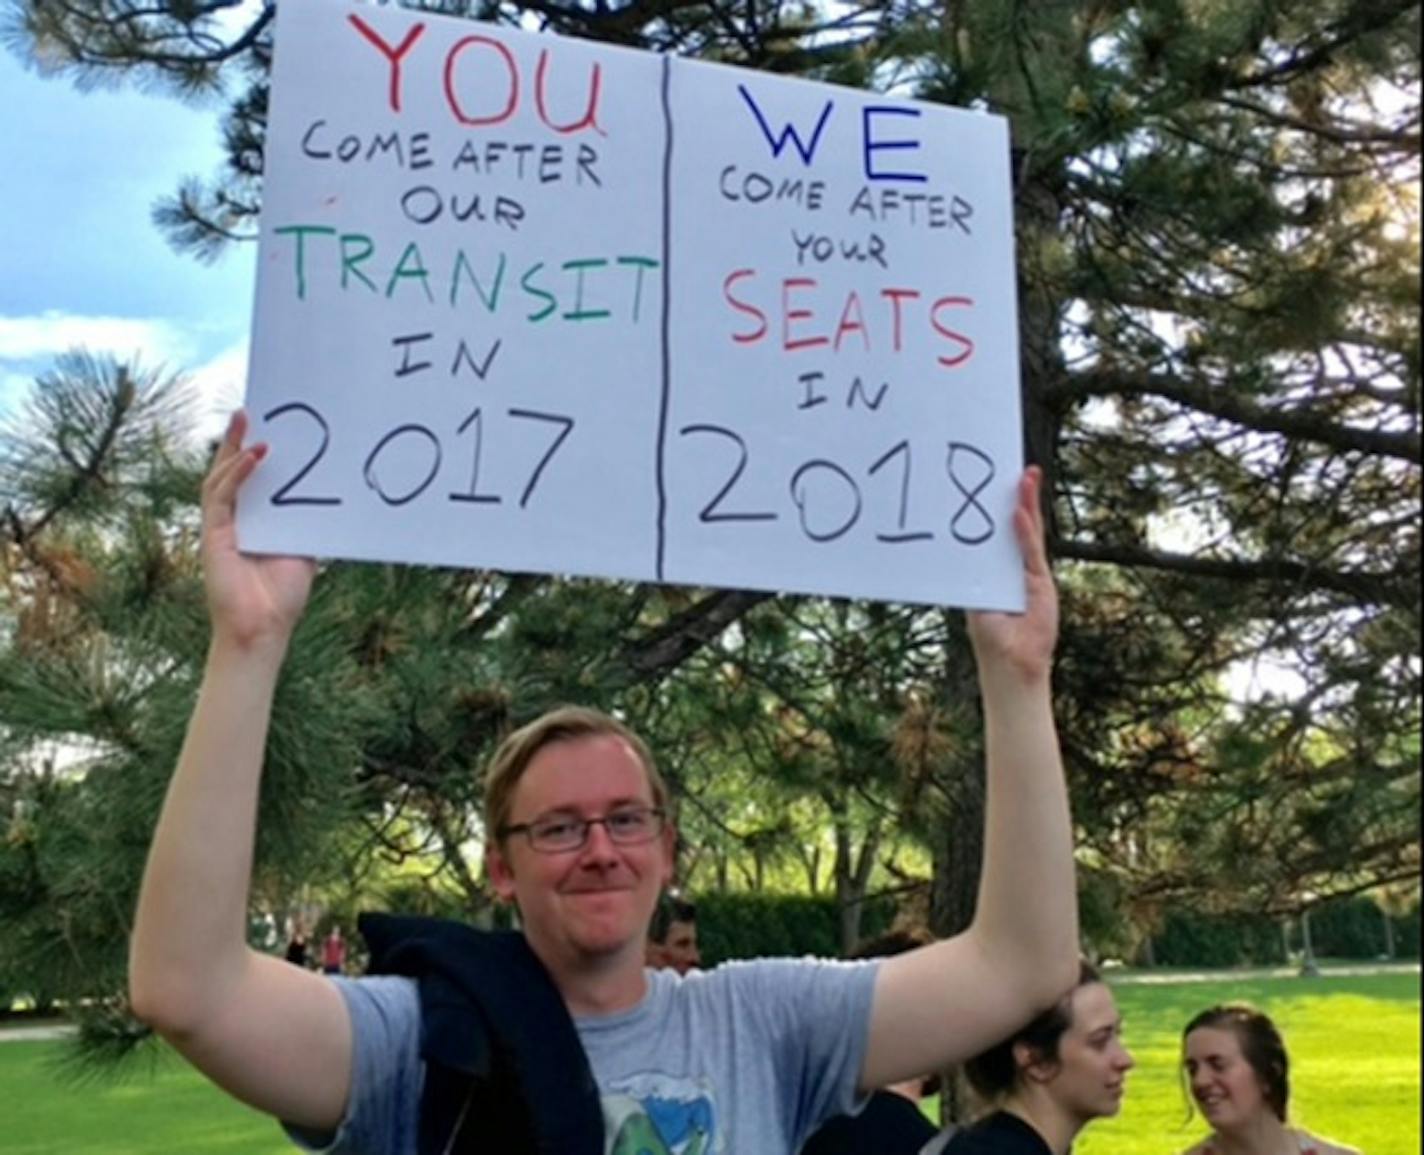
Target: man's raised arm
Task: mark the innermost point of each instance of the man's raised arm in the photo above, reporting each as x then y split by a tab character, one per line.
948	1001
270	1033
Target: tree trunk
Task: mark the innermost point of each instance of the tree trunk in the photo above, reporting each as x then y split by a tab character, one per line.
852	881
959	846
957	860
811	863
1308	965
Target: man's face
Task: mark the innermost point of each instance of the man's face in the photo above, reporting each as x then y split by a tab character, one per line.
679	951
598	900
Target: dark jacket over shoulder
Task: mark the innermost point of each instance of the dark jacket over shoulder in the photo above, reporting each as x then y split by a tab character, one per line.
504	1068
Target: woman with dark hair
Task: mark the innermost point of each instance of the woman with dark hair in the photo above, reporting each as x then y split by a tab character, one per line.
1050	1079
1235	1066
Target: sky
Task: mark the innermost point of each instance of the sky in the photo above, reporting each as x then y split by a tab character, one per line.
81	262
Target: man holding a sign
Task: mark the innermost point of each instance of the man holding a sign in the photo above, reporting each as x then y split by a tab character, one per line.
746	1060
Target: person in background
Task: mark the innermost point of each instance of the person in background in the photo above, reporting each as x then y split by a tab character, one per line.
296	952
672	937
1048	1080
891	1123
333	952
1236	1069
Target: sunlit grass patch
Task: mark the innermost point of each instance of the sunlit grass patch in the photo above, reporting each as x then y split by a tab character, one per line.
171	1109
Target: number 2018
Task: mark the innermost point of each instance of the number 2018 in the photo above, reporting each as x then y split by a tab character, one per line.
819	484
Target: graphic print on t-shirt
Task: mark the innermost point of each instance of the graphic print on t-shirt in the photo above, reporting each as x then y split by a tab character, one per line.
656	1114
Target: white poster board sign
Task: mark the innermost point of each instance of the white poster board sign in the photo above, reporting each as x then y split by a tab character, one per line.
537	304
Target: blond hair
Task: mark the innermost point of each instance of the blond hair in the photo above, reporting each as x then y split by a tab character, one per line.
567	723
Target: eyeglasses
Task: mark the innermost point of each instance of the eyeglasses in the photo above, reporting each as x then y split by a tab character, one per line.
632	827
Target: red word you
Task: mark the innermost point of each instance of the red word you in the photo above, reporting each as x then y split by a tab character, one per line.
498	70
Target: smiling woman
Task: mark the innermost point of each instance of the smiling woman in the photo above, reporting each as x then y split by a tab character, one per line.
1235	1063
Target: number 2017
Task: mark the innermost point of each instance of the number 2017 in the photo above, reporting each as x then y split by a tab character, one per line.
301	487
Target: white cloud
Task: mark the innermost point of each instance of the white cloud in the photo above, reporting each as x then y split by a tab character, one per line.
29	346
53	332
13	386
218	387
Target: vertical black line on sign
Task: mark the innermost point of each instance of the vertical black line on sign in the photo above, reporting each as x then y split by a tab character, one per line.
665	398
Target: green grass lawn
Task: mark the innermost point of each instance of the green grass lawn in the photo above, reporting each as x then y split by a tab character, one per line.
1354	1045
174	1109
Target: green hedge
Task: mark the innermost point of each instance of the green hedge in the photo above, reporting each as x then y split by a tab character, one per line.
1347	928
1195	940
746	925
1354	928
1407	932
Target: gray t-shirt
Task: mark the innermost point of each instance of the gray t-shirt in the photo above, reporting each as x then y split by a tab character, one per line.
747	1059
